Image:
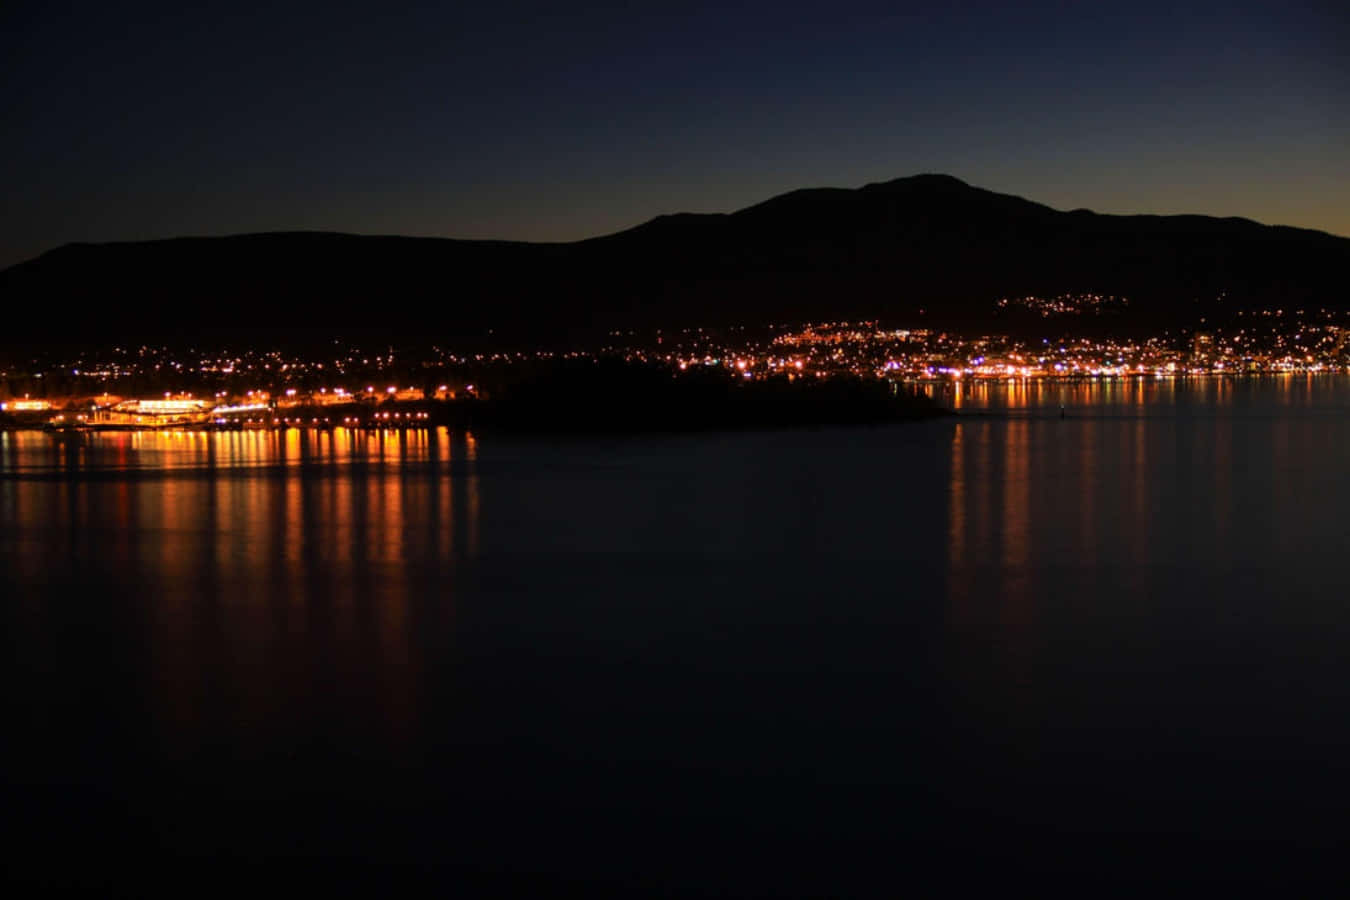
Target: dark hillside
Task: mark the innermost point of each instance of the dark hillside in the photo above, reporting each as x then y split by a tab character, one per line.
927	249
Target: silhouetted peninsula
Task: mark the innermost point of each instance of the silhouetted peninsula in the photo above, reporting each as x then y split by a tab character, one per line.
586	396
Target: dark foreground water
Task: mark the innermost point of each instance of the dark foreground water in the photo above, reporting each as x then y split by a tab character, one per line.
1012	649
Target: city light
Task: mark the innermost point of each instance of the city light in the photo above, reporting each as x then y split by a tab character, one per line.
257	388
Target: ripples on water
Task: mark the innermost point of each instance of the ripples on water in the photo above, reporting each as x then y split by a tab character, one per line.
1104	649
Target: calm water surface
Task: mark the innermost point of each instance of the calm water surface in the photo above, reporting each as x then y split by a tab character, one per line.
1012	648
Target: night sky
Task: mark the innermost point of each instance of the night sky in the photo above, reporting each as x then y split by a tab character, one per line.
539	121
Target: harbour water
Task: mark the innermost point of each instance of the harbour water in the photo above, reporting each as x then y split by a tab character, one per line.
1092	648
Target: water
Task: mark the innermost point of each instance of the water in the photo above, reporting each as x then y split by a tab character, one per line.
1087	653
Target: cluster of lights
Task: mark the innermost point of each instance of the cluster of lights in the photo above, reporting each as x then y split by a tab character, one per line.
1065	304
272	388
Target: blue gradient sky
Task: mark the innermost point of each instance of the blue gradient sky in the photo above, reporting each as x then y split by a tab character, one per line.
535	121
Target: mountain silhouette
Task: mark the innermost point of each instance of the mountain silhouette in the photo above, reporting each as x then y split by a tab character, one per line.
927	249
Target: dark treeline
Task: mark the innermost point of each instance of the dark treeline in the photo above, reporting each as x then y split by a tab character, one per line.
613	396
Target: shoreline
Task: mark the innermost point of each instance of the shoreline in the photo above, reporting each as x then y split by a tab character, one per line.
556	415
513	429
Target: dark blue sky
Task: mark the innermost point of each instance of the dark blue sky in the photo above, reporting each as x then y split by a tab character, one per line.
542	122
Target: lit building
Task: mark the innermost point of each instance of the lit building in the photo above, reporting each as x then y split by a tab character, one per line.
153	413
26	405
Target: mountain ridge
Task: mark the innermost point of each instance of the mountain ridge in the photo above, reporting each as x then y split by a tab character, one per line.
927	247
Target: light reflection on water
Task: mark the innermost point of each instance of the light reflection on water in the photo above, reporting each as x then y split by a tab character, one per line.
30	452
1144	489
1148	395
261	561
808	640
